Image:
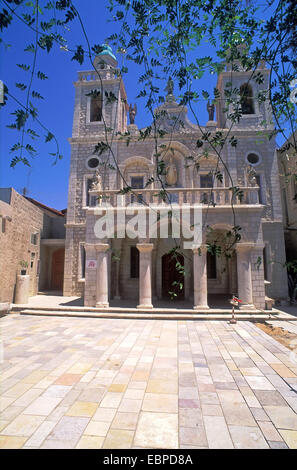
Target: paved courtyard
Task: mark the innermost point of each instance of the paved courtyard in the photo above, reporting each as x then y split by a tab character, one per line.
101	383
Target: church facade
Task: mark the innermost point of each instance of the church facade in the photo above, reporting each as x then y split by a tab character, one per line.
110	258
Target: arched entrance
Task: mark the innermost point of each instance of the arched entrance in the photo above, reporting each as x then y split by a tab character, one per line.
173	280
57	276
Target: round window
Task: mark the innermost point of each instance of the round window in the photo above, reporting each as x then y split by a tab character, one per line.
93	162
253	158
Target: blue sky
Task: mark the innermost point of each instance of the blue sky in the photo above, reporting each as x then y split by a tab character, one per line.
46	182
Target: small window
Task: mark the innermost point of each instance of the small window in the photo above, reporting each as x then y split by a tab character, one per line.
137	183
96	108
34	238
206	181
32	260
253	158
134	262
123	117
295	188
211	266
265	263
246	98
93	162
83	261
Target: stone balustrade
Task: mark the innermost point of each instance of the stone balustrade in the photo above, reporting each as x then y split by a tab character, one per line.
178	196
92	75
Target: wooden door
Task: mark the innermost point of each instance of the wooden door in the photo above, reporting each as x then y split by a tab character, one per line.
170	275
58	269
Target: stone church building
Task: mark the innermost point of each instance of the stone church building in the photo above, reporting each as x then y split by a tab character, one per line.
118	267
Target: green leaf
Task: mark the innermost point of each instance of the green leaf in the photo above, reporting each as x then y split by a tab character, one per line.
21	86
49	137
24	67
79	55
35	94
21	118
30	48
41	75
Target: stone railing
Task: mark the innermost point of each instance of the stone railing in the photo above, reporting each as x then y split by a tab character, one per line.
178	196
92	75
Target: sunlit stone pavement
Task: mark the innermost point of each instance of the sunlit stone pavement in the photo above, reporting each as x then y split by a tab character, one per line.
93	383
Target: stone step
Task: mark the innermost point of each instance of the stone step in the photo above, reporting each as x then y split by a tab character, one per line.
156	315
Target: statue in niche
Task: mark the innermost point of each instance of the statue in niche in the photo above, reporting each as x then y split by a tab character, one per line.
210	110
132	113
97	182
169	87
171	173
251	176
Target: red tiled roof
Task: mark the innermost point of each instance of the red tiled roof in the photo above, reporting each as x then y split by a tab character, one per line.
43	206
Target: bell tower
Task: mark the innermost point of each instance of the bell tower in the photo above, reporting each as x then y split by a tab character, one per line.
100	98
248	87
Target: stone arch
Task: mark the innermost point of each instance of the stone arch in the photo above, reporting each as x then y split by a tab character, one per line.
207	164
247	98
225	281
137	165
177	152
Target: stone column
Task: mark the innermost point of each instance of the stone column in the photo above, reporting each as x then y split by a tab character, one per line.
102	275
145	275
117	245
22	289
244	274
200	277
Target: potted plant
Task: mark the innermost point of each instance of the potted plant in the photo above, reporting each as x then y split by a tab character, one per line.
24	266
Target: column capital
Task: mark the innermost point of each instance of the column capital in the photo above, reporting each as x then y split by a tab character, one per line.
245	246
89	246
145	247
101	247
199	248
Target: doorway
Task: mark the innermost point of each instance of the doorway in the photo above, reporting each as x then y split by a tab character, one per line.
173	280
57	277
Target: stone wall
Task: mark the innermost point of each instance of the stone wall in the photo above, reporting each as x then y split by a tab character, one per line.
24	220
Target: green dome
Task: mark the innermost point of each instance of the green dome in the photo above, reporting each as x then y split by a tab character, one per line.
107	50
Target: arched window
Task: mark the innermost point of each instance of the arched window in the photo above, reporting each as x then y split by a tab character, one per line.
96	108
246	98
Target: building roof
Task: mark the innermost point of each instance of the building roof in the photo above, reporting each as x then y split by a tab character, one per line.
43	206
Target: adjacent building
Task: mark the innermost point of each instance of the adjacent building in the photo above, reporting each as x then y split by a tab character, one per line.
287	159
32	238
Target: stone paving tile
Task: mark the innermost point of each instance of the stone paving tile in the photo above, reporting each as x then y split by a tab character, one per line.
193	436
269	432
118	439
82	408
96	383
217	433
290	437
283	417
247	437
69	428
277	445
43	405
90	442
270	398
23	425
105	414
157	430
97	428
160	402
12	442
40	434
125	420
